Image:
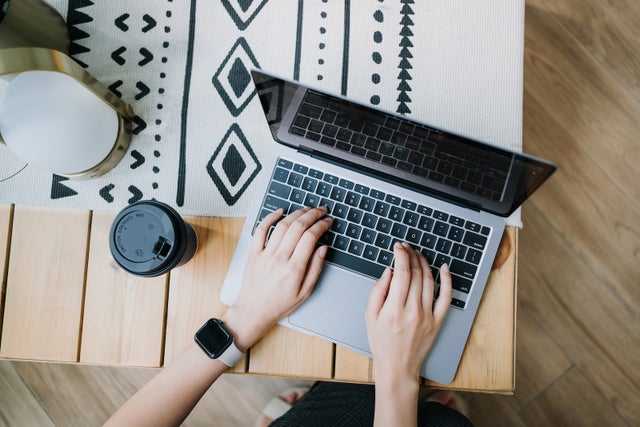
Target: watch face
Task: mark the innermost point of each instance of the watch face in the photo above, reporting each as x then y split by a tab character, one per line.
213	338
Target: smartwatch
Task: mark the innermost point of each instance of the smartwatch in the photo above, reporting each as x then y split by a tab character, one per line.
217	342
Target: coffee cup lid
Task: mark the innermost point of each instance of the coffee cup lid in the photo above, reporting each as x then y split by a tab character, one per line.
147	238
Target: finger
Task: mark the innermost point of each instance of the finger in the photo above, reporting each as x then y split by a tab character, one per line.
414	296
378	294
282	227
298	228
262	230
307	242
444	298
313	272
427	284
401	276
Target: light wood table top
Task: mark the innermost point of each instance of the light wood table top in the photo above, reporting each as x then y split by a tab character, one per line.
65	300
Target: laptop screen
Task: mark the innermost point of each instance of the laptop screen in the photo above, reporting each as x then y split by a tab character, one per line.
422	157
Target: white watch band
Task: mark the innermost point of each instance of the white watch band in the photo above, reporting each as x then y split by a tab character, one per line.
231	355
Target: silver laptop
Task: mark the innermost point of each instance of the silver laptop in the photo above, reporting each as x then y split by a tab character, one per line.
385	178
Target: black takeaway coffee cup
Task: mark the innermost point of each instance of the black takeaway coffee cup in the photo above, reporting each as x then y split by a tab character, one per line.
149	238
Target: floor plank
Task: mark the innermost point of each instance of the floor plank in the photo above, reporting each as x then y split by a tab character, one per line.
609	33
72	395
595	108
559	405
539	360
595	329
18	406
594	216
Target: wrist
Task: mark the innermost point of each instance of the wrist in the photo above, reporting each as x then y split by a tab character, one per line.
245	332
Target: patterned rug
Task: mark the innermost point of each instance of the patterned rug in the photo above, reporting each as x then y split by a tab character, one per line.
200	137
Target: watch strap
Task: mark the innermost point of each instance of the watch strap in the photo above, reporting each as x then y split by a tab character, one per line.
231	355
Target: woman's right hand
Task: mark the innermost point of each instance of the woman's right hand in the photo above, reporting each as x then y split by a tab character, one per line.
402	319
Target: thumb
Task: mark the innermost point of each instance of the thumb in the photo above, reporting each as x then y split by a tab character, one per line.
378	294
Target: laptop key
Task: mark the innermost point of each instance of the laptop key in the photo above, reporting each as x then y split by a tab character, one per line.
355	247
461	284
369	220
368	235
458	250
441	229
327	238
443	246
354	231
352	199
386	258
338	193
362	189
331	179
399	230
441	259
346	184
474	240
287	164
341	242
279	190
309	184
457	303
473	256
384	225
355	215
323	189
370	253
328	141
273	203
366	203
295	179
312	200
381	209
340	210
339	226
355	263
297	196
280	175
426	223
455	233
463	269
411	219
428	240
414	236
297	131
383	241
396	213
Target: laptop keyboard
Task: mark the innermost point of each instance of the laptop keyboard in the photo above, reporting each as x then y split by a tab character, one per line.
367	223
388	140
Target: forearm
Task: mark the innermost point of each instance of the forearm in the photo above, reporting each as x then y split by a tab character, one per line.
170	396
396	402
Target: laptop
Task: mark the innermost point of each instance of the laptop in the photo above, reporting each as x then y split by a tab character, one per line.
385	178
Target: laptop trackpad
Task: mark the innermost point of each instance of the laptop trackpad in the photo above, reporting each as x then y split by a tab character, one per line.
336	309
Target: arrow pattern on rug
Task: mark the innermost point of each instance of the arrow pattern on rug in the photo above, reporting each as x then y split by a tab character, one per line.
405	55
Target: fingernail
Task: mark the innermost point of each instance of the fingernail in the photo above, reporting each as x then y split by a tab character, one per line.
444	267
398	245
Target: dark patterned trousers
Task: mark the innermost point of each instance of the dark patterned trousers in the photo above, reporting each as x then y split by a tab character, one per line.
339	404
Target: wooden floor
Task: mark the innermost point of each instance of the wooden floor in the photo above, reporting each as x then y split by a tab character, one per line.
578	336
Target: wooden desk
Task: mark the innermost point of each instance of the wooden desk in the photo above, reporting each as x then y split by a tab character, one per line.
65	300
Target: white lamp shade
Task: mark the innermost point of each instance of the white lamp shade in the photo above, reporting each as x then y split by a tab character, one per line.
52	121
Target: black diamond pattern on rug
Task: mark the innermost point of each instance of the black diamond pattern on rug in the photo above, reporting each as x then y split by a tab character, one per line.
243	11
232	80
233	165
